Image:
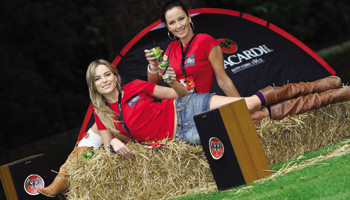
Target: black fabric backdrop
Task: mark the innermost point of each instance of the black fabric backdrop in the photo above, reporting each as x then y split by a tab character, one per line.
286	63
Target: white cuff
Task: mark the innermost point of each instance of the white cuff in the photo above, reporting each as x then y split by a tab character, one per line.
92	140
150	71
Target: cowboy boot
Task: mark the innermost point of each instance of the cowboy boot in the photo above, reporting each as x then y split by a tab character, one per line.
60	183
312	101
274	95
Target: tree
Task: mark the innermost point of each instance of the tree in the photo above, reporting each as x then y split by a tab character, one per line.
45	49
127	18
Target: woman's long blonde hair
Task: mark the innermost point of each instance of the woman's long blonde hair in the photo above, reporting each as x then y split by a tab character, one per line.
104	112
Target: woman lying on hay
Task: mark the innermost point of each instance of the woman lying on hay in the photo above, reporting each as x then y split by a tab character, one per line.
146	120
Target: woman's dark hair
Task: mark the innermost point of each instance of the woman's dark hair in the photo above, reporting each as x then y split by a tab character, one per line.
171	4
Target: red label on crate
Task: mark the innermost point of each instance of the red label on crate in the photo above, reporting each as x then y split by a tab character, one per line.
216	148
33	183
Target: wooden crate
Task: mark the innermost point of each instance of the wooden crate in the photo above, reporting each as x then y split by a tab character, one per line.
243	159
22	178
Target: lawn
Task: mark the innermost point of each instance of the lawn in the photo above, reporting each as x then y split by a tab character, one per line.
324	174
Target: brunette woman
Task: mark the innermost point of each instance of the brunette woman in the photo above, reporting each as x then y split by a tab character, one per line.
195	58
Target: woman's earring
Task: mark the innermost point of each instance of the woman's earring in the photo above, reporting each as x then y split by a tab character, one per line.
172	38
192	27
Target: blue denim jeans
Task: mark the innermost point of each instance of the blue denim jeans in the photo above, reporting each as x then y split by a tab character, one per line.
187	107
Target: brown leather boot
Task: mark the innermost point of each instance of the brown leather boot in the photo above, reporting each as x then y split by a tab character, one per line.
277	94
312	101
60	183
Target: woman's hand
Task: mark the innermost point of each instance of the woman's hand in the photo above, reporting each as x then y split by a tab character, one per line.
179	88
171	73
149	56
120	148
152	74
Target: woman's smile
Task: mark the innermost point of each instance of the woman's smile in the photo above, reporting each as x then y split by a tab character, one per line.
106	86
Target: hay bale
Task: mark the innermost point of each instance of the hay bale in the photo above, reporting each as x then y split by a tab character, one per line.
178	168
304	133
172	170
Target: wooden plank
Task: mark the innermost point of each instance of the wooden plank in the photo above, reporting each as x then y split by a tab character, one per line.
7	183
245	141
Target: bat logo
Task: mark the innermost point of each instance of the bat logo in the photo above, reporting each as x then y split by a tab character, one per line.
227	46
216	148
33	183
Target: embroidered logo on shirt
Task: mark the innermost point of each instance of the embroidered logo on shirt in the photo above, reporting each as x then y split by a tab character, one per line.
133	101
190	60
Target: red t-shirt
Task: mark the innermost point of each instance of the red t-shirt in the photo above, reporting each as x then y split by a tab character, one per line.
197	62
147	120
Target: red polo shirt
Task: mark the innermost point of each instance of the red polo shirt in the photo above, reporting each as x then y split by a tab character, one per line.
197	62
147	120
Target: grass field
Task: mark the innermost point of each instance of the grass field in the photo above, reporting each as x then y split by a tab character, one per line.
324	174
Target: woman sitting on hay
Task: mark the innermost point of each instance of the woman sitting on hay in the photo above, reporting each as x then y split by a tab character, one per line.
146	120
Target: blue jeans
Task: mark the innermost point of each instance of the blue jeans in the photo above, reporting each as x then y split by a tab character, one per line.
187	107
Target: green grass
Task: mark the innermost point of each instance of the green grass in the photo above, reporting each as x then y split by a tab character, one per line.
328	179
